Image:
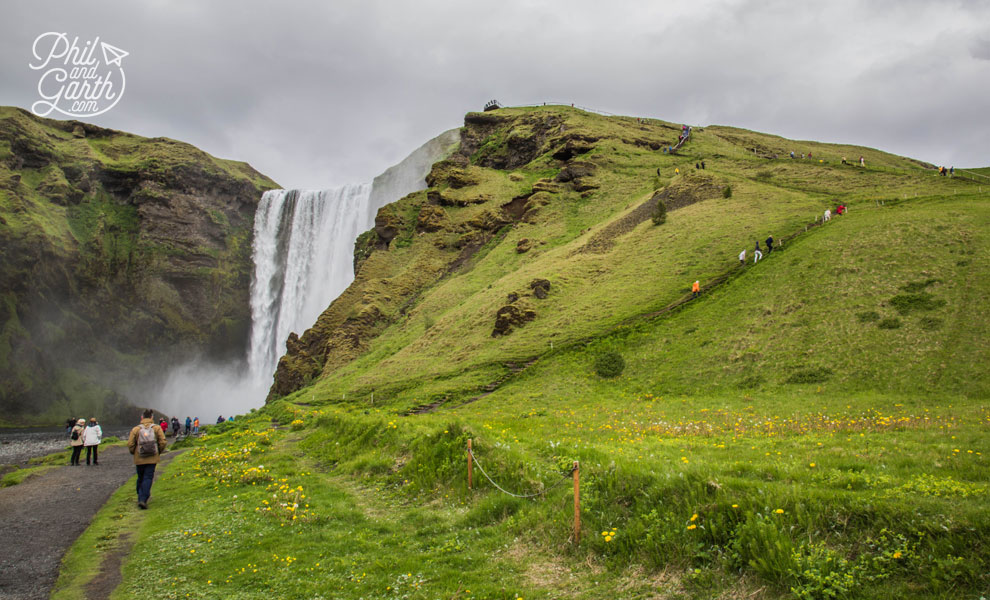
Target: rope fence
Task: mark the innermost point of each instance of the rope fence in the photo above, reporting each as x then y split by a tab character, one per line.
574	474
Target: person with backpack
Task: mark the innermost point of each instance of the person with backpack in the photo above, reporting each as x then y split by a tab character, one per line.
196	425
146	443
769	243
188	425
76	441
92	436
695	289
175	426
220	419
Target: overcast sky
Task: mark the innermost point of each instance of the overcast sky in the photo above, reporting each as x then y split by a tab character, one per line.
320	93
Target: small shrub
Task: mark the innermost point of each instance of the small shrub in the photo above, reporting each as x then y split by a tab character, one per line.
813	375
764	175
918	286
727	192
609	364
930	323
905	303
660	213
890	323
870	316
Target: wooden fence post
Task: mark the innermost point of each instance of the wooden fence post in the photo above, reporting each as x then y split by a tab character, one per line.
577	503
470	464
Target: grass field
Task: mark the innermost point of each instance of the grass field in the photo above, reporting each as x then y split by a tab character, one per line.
814	426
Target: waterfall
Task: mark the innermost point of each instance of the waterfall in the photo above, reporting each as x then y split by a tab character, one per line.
303	252
303	259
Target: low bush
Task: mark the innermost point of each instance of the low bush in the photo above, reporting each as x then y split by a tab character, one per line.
609	364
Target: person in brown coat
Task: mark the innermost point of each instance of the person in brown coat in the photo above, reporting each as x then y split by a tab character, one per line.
146	443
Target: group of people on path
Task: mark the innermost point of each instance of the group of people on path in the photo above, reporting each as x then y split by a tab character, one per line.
943	171
757	252
840	209
88	436
192	426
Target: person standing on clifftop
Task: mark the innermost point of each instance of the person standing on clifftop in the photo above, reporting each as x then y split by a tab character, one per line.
188	424
695	289
146	443
196	425
76	442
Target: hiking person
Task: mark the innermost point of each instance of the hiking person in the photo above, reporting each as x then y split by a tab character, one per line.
757	255
742	257
230	419
164	425
695	289
769	243
792	154
677	171
702	165
92	436
840	209
146	442
862	161
827	216
76	442
196	425
844	160
188	424
952	171
220	419
175	426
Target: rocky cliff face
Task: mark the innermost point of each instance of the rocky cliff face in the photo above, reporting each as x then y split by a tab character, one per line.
117	254
432	234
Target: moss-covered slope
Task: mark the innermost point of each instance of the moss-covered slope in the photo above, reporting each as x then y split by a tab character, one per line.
117	253
449	298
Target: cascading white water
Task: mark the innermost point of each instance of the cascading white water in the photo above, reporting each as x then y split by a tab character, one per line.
303	255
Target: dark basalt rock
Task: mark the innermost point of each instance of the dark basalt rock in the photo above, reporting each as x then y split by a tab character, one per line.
509	316
540	287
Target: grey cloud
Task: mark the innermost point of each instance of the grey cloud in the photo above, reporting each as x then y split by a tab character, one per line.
316	94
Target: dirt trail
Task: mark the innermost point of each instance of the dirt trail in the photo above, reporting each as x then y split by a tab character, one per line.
41	517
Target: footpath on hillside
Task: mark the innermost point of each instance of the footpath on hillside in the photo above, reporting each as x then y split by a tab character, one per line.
41	517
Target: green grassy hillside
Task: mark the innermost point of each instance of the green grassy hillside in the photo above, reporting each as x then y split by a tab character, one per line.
422	314
813	426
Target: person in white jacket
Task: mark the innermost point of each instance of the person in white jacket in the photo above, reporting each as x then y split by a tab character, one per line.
92	436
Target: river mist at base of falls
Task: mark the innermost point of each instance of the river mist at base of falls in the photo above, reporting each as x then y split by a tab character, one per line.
303	251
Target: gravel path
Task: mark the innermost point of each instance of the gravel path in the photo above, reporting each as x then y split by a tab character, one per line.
41	517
